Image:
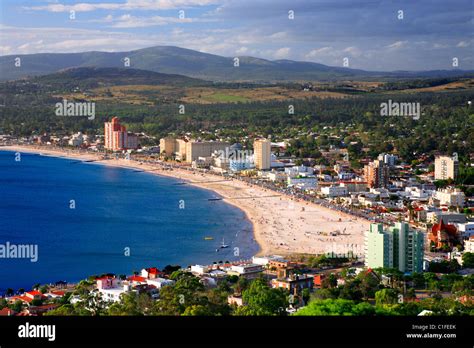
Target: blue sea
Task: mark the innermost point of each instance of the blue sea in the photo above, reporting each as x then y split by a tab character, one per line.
115	209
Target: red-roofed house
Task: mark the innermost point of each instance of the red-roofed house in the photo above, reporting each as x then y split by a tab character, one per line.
107	282
137	280
28	297
25	299
55	294
35	295
39	310
151	273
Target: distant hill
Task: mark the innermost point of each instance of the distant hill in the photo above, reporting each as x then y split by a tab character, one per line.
180	61
92	77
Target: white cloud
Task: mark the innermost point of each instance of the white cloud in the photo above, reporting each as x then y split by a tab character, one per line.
440	46
319	52
242	50
282	53
353	51
126	6
463	44
397	45
128	21
6	50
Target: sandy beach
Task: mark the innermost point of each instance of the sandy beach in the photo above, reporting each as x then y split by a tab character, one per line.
281	225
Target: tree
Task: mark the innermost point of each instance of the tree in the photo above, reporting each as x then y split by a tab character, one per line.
468	260
169	269
196	310
241	285
186	292
336	307
305	295
418	280
369	284
351	290
132	304
329	282
65	310
17	306
36	302
260	299
444	266
386	297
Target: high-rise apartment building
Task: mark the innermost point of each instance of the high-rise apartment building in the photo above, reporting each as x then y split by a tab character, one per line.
376	174
117	138
446	168
398	247
262	153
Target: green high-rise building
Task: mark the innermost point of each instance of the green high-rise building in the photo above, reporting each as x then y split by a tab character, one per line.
398	247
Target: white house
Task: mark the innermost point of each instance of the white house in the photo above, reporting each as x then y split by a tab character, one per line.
307	182
77	139
265	260
199	269
466	230
159	282
334	191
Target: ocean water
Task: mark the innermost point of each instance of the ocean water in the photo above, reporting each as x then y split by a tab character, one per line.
115	208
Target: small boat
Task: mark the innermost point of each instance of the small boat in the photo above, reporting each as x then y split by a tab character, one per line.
223	245
214	199
208	238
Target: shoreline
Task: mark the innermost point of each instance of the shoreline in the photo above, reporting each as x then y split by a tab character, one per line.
280	224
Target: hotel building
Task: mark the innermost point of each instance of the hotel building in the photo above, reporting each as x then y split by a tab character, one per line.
196	149
117	138
167	146
262	154
446	168
398	247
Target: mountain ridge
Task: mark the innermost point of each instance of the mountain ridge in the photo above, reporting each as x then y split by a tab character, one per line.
200	65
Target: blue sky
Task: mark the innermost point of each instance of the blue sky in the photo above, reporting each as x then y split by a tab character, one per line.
367	32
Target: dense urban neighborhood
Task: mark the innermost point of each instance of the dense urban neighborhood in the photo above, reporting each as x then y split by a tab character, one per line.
417	257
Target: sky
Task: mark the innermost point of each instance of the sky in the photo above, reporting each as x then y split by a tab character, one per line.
382	35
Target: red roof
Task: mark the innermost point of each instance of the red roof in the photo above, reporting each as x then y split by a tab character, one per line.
449	229
35	293
136	278
57	292
21	298
5	312
104	278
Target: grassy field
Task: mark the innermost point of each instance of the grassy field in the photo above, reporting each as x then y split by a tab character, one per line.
151	95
